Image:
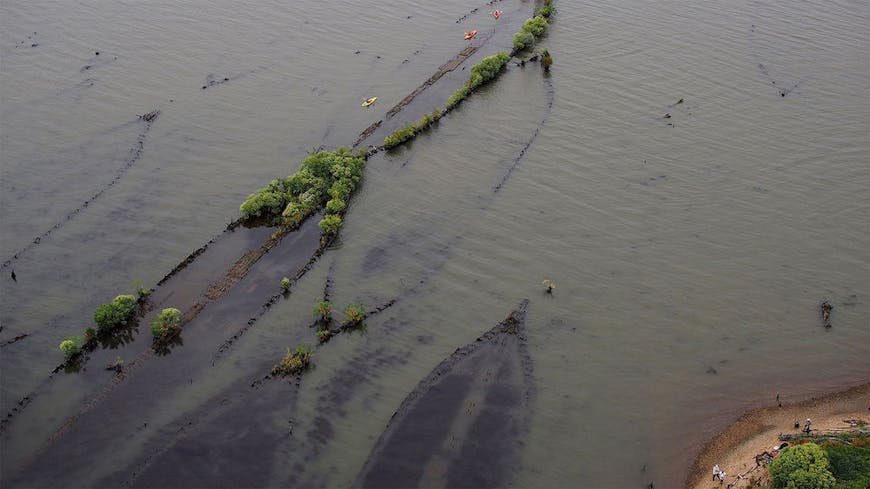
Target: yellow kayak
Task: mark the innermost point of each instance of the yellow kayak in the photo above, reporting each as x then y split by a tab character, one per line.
369	101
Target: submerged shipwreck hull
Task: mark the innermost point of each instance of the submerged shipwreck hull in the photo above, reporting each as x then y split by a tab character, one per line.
464	424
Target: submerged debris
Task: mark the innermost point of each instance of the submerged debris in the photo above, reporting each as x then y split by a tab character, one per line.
464	424
825	307
150	116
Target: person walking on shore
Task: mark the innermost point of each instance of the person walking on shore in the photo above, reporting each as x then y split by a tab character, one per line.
716	471
807	425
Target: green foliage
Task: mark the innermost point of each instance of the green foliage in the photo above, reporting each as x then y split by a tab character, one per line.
294	363
523	40
330	224
532	29
399	136
335	206
355	312
546	60
167	324
487	69
850	466
323	310
458	96
111	315
285	284
536	26
323	174
141	292
71	346
324	335
802	467
546	11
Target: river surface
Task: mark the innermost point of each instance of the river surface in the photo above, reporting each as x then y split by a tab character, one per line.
690	253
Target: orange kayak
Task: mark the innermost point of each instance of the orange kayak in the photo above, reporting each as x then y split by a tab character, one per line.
469	35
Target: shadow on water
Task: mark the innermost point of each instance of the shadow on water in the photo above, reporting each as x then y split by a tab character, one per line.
463	426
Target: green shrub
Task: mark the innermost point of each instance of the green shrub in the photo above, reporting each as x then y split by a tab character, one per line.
295	212
294	363
850	466
323	174
802	467
324	335
458	96
111	315
167	324
400	136
71	346
546	11
330	224
335	206
355	312
546	60
285	284
141	292
262	203
487	69
323	310
523	40
536	26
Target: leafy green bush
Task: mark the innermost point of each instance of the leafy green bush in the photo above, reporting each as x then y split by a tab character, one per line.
355	312
323	310
487	69
458	96
802	467
400	136
536	26
167	324
523	40
323	174
335	206
71	346
323	335
113	314
294	363
546	11
330	224
850	466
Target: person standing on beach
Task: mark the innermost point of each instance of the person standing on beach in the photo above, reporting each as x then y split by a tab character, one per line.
807	428
715	471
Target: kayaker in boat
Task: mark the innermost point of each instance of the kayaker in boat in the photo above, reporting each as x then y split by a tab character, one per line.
496	14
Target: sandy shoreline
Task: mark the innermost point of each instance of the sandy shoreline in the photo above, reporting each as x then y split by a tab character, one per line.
757	430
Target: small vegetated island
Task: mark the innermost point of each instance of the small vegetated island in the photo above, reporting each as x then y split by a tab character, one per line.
326	179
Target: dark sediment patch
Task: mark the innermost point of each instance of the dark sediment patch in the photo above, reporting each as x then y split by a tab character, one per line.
134	155
212	80
146	382
464	424
198	450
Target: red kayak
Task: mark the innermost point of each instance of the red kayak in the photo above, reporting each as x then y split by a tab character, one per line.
469	35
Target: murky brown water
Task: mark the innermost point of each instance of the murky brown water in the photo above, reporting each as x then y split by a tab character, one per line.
689	258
